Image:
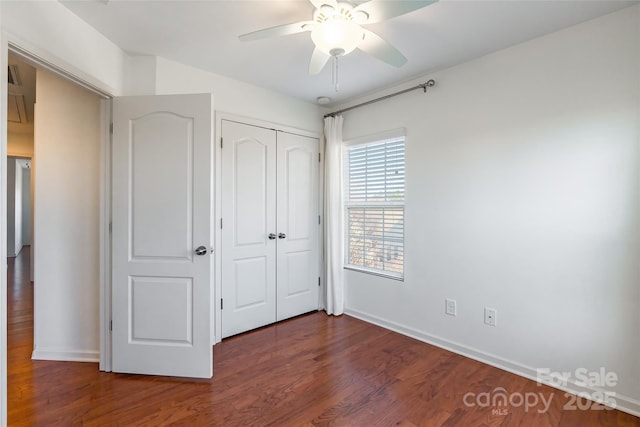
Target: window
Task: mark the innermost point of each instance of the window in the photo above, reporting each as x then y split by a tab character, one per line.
374	207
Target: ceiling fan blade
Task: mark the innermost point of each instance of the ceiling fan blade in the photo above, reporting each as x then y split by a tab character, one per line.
378	47
318	60
319	3
380	10
280	30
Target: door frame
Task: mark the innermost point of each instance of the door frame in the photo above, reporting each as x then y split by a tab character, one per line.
44	60
217	293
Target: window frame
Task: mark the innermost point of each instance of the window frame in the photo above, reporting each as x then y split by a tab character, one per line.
377	138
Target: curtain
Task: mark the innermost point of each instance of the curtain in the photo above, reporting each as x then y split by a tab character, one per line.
333	214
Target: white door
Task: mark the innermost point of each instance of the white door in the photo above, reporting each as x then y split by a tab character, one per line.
248	163
162	198
270	255
298	225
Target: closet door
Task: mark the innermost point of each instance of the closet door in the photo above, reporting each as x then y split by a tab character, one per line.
298	225
249	227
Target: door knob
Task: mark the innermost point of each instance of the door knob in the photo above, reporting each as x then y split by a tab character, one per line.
201	250
272	236
282	236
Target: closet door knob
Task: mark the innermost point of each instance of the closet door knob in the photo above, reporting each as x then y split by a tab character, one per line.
272	236
282	236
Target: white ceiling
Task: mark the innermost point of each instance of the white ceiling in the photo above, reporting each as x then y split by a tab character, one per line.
204	34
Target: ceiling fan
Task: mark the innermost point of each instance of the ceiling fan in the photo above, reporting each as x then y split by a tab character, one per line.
336	29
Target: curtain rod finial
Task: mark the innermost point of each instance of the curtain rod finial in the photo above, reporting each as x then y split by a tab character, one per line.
430	83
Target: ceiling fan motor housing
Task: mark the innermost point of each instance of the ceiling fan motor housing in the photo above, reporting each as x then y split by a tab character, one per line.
336	32
327	12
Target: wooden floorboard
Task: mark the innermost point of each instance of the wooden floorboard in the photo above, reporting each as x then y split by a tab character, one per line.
313	370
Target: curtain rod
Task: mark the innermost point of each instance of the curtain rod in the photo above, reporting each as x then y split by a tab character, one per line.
423	86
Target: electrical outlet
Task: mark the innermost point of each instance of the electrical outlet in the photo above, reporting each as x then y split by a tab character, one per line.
450	307
490	316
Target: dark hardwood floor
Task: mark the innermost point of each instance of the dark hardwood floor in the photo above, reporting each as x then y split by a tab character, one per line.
314	370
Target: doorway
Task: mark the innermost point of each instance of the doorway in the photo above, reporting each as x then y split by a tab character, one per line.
20	148
21	95
102	170
59	138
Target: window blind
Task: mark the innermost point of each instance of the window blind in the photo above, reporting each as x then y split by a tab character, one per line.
375	181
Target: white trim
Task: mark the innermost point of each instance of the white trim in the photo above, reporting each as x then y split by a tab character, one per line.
377	137
380	273
43	59
4	60
321	269
216	333
623	403
105	236
221	115
66	355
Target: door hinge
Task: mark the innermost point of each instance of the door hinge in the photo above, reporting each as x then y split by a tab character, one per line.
110	227
319	220
221	303
318	157
221	142
318	281
111	128
110	325
220	223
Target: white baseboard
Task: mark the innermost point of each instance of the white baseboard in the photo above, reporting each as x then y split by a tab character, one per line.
623	403
66	355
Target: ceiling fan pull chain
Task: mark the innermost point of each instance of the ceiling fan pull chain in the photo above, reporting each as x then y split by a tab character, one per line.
333	70
335	73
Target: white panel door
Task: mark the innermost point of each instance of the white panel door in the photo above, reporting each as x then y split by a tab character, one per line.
298	228
248	163
162	198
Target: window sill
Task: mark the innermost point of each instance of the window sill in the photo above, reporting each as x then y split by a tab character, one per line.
374	273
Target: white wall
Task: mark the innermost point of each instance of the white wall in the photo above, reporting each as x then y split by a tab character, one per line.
11	207
233	96
523	194
20	144
140	75
17	224
17	196
26	206
66	223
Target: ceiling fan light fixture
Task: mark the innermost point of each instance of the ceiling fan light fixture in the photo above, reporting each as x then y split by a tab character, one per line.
337	36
